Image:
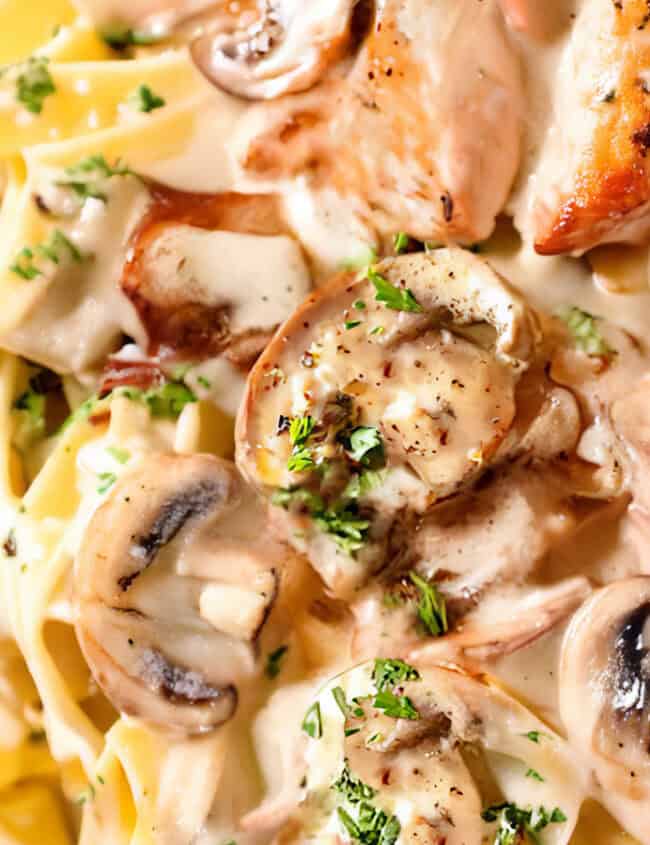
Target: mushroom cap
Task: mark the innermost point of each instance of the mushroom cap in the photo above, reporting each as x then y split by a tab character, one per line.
605	694
170	597
436	382
431	769
285	50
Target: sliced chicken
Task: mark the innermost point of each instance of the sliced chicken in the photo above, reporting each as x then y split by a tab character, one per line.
430	754
604	697
174	582
593	183
420	132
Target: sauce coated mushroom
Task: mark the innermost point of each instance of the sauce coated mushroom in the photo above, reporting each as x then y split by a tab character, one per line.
429	754
172	593
382	395
286	48
604	697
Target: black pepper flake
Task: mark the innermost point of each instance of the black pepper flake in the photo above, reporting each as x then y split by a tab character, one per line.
9	546
284	423
447	206
307	360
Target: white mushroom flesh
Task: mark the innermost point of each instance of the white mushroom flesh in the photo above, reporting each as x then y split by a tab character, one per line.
171	592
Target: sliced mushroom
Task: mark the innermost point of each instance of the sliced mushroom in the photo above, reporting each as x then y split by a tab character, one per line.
605	695
459	746
172	590
441	388
198	269
287	48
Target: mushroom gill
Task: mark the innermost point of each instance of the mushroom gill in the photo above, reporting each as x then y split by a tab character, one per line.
604	697
286	48
171	592
385	395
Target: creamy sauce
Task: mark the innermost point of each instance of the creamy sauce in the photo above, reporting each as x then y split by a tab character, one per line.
75	315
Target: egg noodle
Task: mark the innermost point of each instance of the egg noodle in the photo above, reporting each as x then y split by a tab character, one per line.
73	769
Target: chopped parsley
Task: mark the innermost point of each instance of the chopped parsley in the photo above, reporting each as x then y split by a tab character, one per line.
397	299
86	178
57	247
343	523
352	788
144	99
312	724
400	243
34	83
371	827
391	673
363	483
534	736
121	37
274	661
359	305
33	404
585	332
204	382
535	775
351	324
432	610
120	455
300	430
107	480
364	445
515	823
395	706
166	401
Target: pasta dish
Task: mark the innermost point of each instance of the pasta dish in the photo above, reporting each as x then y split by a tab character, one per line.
324	422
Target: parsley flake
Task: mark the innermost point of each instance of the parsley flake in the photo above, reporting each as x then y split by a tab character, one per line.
107	480
88	177
585	332
312	724
535	775
400	243
390	673
515	823
397	299
274	661
34	83
432	610
144	99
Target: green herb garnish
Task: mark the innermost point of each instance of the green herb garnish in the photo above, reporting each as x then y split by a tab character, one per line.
86	177
515	823
351	324
371	827
390	673
34	83
107	480
312	724
352	788
120	37
120	455
400	243
535	775
365	445
57	247
274	661
432	610
585	332
395	706
144	99
397	299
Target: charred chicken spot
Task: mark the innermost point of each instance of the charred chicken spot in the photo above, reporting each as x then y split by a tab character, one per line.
631	675
641	139
447	206
174	514
177	683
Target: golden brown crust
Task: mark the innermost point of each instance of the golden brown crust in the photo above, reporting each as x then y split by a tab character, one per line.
611	189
